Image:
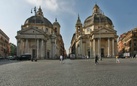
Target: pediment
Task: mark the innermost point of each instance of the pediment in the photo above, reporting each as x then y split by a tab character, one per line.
104	33
105	30
31	31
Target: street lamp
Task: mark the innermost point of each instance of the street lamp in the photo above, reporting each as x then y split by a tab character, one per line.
100	26
35	35
35	50
34	10
100	38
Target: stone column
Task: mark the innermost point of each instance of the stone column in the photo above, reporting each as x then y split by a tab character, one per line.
54	50
115	48
108	47
98	47
52	47
42	49
51	50
77	50
90	48
18	47
112	47
45	47
37	48
81	47
52	53
84	49
94	47
21	47
26	46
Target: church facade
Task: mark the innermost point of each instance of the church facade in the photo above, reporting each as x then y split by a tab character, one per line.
96	36
40	38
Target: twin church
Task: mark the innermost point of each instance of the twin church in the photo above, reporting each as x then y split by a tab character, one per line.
96	36
41	38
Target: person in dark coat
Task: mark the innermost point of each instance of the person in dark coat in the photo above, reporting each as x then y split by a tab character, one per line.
96	59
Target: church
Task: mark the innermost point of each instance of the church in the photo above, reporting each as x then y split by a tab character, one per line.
40	38
96	36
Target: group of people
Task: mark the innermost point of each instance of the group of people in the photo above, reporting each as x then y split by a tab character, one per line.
117	59
96	59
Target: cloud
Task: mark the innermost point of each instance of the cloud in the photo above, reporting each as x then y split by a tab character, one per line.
35	2
57	6
52	5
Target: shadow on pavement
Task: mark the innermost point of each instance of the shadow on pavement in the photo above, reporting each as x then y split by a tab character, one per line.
7	61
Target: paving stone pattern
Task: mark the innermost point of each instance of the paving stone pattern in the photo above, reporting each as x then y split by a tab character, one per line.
69	73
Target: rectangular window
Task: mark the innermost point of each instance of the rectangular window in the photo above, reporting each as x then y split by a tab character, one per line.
135	39
135	49
135	44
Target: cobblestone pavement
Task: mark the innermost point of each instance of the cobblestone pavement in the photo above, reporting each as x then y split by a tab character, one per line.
69	73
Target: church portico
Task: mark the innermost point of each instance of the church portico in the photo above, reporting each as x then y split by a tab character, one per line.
104	47
30	45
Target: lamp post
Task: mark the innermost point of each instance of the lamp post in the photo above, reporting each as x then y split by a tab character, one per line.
34	52
35	35
100	38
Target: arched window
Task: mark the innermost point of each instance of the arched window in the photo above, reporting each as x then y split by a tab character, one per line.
46	29
56	30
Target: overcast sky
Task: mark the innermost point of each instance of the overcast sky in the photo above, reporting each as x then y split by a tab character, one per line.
13	14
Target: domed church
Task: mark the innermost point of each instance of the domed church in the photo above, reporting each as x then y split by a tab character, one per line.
96	36
40	38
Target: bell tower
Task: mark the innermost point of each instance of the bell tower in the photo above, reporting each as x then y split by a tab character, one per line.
78	27
56	27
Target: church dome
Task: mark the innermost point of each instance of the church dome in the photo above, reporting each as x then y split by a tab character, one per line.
38	20
97	18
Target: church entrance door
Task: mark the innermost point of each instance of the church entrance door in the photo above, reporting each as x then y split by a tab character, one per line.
102	52
33	53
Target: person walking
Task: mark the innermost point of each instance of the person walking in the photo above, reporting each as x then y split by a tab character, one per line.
87	57
117	60
96	59
34	58
61	59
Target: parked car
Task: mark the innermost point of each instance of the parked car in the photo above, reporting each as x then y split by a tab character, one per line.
1	57
11	58
25	57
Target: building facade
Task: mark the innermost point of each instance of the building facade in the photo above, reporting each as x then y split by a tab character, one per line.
40	38
127	43
13	49
4	44
96	36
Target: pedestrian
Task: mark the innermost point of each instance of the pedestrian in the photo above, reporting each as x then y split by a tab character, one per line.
87	56
34	58
61	59
96	59
134	56
117	60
